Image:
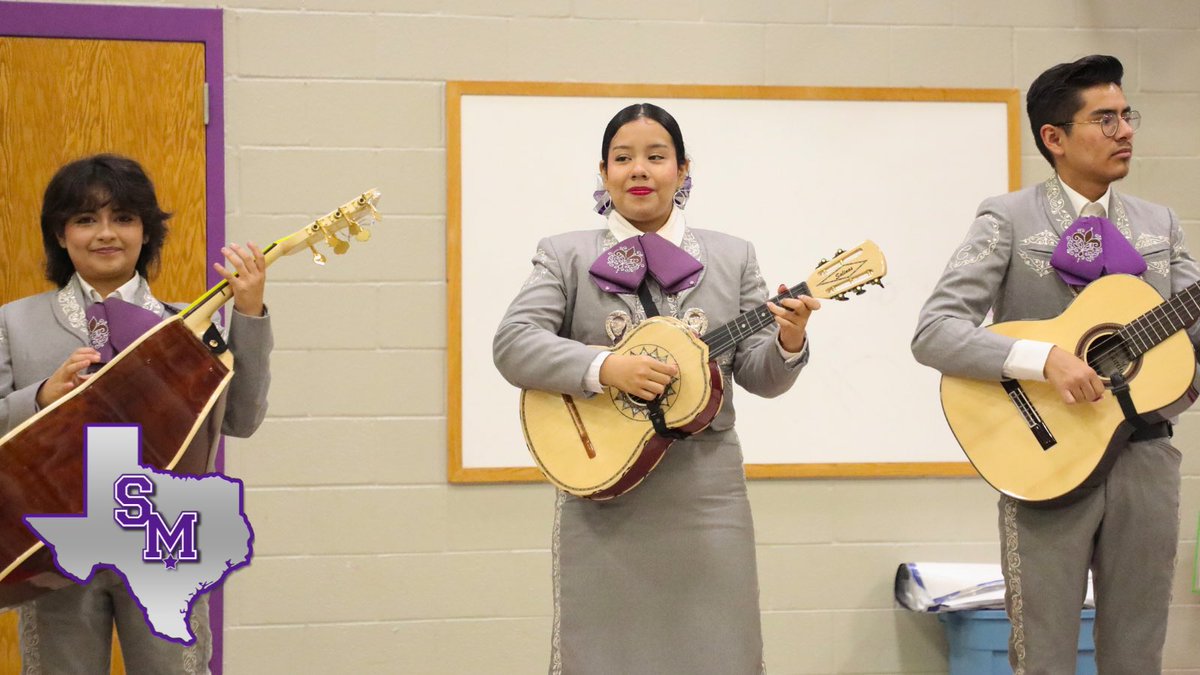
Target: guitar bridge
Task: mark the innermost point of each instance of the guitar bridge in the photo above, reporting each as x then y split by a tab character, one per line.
1037	426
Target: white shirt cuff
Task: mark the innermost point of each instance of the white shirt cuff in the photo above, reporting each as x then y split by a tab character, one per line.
791	357
1027	360
591	379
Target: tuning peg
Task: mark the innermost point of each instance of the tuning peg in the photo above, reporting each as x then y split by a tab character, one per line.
340	246
878	282
360	233
318	257
363	201
860	290
839	251
840	297
822	261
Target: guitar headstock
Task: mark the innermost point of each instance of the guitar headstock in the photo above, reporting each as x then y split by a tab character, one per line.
848	272
355	216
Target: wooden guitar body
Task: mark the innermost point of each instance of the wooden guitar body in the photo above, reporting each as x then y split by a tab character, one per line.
167	382
989	424
603	446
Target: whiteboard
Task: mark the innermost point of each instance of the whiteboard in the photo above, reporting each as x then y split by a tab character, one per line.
799	172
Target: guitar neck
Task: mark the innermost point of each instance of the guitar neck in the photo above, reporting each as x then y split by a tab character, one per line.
1148	330
353	216
199	314
726	338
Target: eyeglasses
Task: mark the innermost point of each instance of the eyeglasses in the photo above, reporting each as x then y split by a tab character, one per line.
1109	122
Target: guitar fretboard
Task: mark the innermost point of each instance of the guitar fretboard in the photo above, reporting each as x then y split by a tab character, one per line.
725	338
1148	330
205	303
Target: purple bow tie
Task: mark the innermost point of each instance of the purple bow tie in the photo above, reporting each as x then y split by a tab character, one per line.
622	268
114	324
1091	248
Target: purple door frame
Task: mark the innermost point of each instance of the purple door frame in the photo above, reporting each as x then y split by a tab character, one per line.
157	24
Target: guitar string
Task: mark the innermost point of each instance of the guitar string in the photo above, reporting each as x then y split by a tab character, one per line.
725	337
1139	329
1128	336
730	334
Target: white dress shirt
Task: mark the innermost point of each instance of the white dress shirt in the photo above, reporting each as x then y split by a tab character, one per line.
125	292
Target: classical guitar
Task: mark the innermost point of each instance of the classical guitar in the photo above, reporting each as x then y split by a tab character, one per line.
603	446
1026	442
167	381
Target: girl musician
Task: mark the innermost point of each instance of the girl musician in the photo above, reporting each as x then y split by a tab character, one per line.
661	579
102	231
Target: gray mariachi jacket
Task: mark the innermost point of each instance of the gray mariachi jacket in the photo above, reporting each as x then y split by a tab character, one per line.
38	332
1004	265
542	342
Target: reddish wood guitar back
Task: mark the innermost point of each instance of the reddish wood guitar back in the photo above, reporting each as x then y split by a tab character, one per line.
166	383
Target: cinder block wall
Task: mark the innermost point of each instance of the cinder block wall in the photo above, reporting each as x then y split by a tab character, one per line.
366	560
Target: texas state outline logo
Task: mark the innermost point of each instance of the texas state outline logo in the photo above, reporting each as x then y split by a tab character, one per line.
171	538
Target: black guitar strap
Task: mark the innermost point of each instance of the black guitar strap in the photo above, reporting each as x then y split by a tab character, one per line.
648	305
654	405
1120	389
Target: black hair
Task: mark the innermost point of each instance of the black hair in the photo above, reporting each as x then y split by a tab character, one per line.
649	111
1057	94
88	184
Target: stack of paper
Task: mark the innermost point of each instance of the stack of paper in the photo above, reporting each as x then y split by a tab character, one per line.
954	587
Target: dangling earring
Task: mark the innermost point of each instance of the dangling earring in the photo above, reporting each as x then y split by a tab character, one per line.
684	191
603	199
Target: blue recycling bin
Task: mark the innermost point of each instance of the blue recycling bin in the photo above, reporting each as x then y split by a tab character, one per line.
979	642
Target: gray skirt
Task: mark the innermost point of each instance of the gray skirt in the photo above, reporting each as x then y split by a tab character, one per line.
662	579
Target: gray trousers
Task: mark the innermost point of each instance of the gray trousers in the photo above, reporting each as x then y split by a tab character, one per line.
1126	531
70	631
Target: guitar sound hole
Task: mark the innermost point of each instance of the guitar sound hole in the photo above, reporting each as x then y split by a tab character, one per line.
634	407
1108	354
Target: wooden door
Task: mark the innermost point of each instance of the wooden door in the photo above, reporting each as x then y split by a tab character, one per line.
64	99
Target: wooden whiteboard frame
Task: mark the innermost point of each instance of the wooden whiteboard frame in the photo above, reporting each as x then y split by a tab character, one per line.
456	472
